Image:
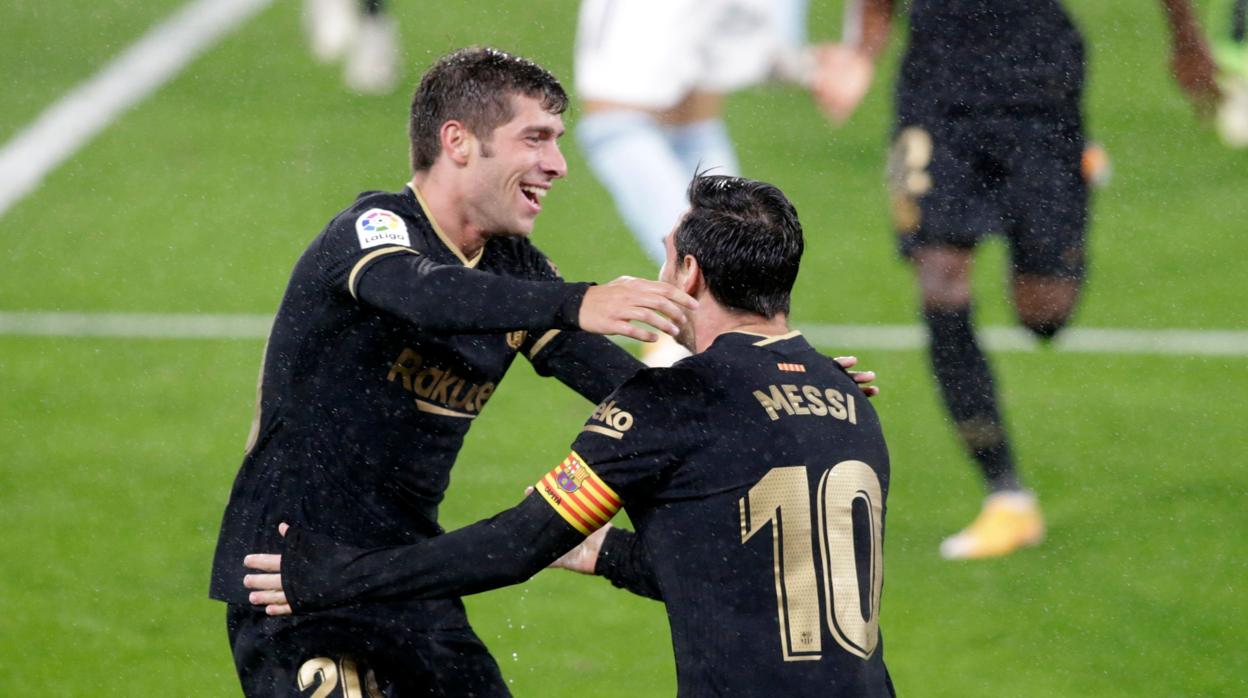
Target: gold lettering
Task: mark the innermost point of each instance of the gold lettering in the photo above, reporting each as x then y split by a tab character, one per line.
790	392
407	362
853	410
836	403
817	407
466	403
778	398
454	398
424	381
444	383
484	394
768	405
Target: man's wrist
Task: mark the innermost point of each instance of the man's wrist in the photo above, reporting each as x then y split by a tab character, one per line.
568	317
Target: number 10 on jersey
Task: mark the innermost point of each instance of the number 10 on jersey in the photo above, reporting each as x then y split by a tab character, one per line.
782	498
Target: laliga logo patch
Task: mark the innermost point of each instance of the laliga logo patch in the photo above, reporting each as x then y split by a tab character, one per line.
378	226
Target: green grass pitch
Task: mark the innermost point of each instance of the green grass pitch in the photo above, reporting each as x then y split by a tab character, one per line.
117	454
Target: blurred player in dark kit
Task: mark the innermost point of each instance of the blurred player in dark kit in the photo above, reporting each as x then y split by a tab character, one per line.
398	322
989	139
755	471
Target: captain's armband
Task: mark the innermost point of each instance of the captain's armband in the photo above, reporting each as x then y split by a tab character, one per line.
579	495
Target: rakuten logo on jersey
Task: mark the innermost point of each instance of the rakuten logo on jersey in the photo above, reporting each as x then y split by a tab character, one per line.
612	421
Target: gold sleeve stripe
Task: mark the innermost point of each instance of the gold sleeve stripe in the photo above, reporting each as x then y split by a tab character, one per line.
541	343
359	266
579	495
438	409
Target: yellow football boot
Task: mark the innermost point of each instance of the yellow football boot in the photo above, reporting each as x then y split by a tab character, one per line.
1008	521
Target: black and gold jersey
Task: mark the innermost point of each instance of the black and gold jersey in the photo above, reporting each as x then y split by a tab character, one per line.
967	57
756	473
387	345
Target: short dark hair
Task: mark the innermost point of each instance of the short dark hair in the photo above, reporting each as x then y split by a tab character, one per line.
475	85
747	240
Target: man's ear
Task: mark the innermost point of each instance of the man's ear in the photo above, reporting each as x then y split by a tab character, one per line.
690	279
456	141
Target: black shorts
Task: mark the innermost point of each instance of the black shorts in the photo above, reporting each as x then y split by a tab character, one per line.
365	651
955	180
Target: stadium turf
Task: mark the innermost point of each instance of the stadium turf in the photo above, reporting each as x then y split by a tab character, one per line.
118	453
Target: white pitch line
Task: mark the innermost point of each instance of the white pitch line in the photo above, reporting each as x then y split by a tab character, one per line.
1084	340
69	124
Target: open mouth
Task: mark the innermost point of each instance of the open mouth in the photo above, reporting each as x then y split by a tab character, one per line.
534	195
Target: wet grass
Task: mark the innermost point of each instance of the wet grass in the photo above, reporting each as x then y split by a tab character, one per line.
118	454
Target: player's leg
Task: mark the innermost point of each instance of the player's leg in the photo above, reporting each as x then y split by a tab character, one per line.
704	145
631	156
1047	238
959	364
372	61
331	26
945	189
1010	516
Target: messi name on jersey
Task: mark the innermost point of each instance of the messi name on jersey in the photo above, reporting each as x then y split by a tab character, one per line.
794	400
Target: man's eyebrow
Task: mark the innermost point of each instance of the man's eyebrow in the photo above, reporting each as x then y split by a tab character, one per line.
545	131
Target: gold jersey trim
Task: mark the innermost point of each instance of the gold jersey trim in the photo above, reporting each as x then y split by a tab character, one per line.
359	266
438	409
772	339
541	343
446	240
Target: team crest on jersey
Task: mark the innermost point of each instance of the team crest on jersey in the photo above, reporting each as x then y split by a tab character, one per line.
378	226
571	473
515	339
579	495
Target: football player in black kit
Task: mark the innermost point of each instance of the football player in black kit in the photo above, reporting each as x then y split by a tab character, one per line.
989	139
755	471
398	321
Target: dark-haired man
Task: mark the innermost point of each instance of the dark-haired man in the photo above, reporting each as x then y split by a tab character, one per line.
398	322
755	471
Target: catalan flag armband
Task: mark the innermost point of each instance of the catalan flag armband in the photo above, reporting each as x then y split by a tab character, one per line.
579	495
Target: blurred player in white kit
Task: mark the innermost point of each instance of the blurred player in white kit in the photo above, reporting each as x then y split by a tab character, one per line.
652	76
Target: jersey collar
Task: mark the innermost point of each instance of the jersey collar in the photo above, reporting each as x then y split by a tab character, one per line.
437	230
762	340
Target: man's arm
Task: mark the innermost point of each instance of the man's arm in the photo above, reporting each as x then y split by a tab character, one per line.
844	71
590	364
315	572
451	298
618	555
1191	61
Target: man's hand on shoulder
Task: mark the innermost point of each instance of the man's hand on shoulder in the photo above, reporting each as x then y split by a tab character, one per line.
862	378
611	308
